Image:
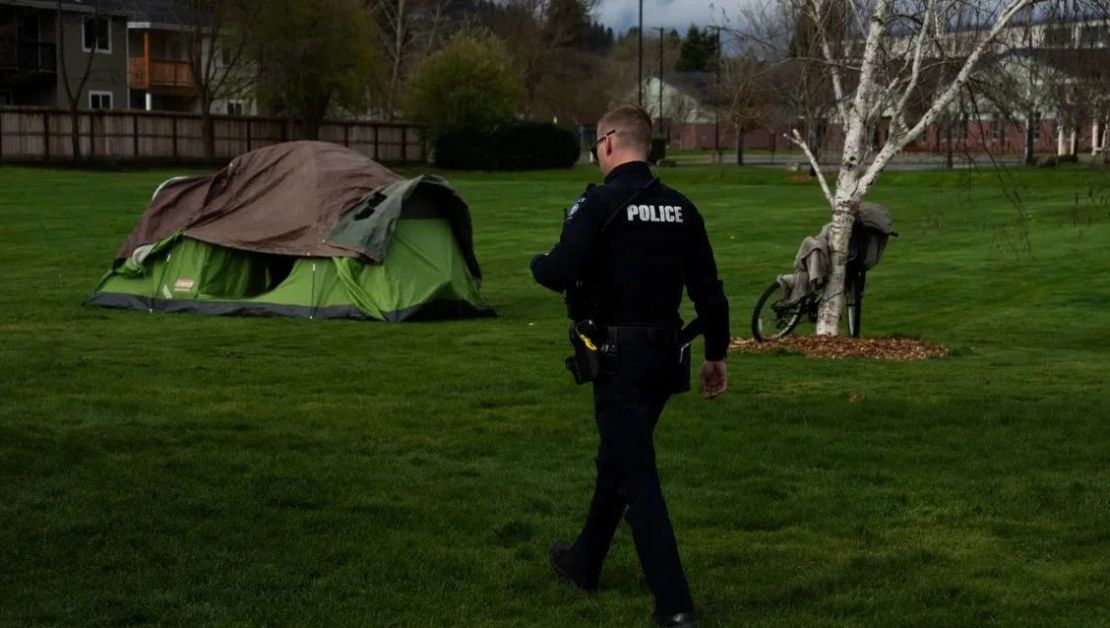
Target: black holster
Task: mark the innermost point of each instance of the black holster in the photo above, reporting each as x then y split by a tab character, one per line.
682	371
589	362
685	338
585	364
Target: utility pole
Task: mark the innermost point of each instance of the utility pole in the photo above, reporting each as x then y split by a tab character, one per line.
659	102
717	103
640	54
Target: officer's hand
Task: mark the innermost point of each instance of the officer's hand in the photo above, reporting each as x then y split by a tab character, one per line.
713	380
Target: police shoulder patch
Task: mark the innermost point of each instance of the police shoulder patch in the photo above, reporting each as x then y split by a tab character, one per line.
574	208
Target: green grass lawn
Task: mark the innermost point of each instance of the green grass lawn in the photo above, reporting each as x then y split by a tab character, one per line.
192	470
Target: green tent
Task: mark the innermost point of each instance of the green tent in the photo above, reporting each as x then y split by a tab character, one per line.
301	229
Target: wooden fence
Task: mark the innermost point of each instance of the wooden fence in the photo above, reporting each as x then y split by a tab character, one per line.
39	135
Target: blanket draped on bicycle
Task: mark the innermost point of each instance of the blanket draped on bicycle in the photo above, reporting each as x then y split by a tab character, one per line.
812	263
811	267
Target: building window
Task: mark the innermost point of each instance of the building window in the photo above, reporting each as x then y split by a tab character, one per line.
173	50
5	99
100	100
1094	36
1058	36
98	35
1036	122
236	108
28	27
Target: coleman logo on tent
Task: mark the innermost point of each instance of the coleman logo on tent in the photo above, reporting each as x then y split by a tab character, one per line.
183	285
651	213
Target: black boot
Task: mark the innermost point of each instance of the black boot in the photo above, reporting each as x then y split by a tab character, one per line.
558	554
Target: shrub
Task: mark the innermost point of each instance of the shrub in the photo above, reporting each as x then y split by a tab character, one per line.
469	83
525	146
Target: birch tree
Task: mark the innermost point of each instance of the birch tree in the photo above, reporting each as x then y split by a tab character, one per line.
876	70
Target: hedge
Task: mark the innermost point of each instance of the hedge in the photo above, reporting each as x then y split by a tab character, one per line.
530	146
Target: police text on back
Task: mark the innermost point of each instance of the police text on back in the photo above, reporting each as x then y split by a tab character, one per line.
651	213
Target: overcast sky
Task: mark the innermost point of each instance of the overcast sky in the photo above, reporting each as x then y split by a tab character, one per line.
678	14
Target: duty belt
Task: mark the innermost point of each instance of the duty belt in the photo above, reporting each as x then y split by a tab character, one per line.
659	336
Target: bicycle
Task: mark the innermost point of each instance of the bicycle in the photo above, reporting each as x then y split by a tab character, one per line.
776	315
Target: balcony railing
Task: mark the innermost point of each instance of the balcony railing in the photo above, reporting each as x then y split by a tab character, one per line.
163	75
32	56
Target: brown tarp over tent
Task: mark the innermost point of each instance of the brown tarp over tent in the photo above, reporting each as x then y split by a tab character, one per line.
282	199
303	229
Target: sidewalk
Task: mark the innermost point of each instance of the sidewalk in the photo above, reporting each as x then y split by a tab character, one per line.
903	161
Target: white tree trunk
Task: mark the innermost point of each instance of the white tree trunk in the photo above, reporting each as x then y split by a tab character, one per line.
828	317
1103	144
872	101
861	113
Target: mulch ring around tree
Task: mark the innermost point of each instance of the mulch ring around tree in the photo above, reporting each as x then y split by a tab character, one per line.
834	347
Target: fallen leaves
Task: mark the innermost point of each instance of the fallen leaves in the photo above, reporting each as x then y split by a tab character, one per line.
834	347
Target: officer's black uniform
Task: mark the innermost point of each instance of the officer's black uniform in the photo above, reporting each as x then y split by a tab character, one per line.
633	259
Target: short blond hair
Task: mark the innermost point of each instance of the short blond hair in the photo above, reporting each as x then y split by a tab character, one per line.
631	123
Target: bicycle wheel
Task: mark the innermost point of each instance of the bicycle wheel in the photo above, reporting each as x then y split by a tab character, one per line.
772	318
855	305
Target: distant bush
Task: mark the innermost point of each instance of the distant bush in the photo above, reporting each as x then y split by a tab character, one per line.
658	149
527	146
1067	159
1047	161
470	83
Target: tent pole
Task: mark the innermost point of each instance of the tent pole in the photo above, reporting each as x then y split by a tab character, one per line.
161	281
312	298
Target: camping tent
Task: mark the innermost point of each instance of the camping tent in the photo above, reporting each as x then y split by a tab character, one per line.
300	229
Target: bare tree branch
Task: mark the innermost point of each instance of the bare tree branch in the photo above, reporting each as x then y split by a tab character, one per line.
796	138
894	145
819	10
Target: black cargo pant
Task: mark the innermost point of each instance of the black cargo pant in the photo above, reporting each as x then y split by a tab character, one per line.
627	405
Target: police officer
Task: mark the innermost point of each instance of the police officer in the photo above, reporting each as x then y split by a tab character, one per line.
627	249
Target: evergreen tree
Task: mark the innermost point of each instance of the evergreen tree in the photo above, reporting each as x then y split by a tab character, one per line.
698	52
599	39
567	24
